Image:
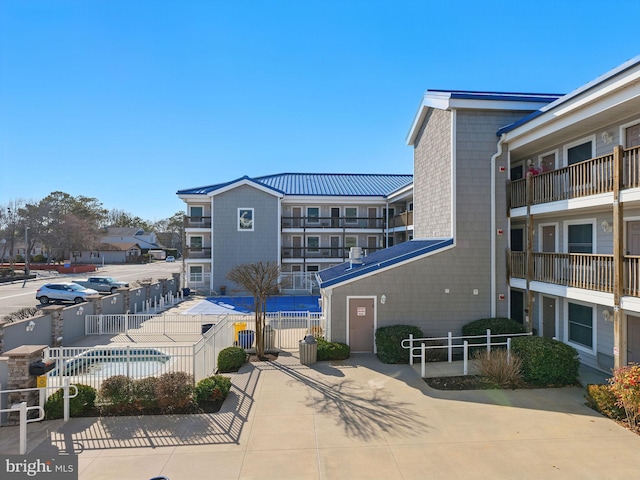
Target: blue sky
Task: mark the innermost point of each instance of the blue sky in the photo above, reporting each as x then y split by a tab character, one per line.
130	101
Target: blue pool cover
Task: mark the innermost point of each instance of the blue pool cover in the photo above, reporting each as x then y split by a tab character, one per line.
280	303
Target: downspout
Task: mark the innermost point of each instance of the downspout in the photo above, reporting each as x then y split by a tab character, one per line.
494	280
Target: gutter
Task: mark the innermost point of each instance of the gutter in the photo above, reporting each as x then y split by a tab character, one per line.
494	280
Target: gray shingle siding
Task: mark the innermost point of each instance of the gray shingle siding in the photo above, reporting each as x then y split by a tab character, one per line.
232	247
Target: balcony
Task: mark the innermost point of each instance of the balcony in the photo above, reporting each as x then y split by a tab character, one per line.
587	271
315	253
405	219
197	252
333	222
591	177
197	222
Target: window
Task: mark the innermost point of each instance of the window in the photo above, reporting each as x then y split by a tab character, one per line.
517	306
195	273
632	136
195	243
245	219
547	162
313	214
313	268
581	324
580	238
517	172
313	244
579	152
196	214
351	214
350	242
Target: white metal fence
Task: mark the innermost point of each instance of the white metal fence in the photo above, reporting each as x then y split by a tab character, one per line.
147	323
418	347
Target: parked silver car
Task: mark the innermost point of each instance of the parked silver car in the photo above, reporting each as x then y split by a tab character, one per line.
63	292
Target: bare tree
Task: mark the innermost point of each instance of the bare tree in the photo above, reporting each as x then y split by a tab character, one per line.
261	280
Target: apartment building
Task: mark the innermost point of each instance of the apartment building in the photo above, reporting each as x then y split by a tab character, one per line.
535	216
304	222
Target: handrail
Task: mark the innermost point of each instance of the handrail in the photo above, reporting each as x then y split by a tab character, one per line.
23	409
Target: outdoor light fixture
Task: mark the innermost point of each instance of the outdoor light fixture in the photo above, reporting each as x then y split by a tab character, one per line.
606	315
606	226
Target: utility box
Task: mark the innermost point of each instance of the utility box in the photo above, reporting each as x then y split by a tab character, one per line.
308	350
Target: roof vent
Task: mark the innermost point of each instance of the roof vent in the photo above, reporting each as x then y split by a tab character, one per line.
355	256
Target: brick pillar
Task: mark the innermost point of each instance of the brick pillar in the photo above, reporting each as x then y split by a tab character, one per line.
2	337
19	360
176	280
57	324
163	283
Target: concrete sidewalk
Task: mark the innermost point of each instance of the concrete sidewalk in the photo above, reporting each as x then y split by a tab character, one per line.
352	419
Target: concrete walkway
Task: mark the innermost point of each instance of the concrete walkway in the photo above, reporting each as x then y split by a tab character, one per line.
355	419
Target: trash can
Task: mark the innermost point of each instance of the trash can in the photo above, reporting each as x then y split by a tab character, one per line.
238	327
186	292
269	337
206	327
245	338
308	350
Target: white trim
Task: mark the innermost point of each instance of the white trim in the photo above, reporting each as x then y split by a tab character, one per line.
454	198
375	317
307	217
248	182
576	143
623	131
594	326
573	293
555	153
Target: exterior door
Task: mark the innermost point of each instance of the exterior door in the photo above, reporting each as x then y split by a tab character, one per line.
296	213
335	217
373	214
372	244
335	247
548	317
549	238
633	238
633	339
297	246
361	324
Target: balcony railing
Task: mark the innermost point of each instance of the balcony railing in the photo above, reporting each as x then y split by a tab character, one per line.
580	270
197	222
590	177
333	222
320	252
405	219
197	252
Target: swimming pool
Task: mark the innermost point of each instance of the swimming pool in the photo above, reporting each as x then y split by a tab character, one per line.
136	362
277	303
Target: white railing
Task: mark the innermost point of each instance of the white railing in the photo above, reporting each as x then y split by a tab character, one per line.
91	366
142	324
22	408
418	346
286	329
298	281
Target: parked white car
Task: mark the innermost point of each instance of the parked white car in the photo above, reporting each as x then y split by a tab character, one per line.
64	292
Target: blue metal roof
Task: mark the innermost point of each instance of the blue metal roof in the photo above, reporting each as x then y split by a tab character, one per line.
320	184
509	96
380	259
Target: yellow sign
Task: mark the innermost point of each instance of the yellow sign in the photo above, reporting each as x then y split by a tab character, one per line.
41	381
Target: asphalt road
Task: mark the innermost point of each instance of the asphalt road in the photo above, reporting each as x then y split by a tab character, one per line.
17	295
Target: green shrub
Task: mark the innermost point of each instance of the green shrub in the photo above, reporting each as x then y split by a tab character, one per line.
174	390
39	258
332	350
116	391
500	367
388	342
498	326
143	393
6	272
79	405
546	362
231	359
213	389
603	399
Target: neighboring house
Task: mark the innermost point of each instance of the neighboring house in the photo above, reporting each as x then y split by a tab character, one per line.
450	273
558	190
110	253
146	240
303	222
